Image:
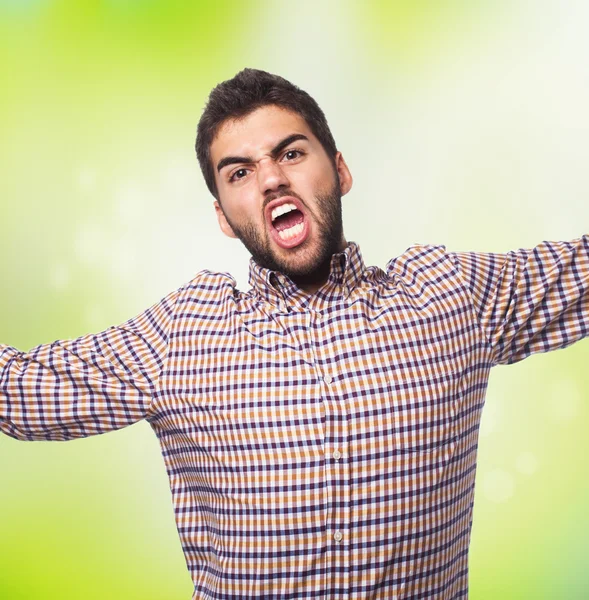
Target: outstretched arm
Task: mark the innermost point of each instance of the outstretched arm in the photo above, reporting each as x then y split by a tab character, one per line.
86	386
529	301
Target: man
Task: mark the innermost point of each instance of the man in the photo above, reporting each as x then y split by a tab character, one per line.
319	430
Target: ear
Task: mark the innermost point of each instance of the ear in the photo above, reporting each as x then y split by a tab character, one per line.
345	177
223	223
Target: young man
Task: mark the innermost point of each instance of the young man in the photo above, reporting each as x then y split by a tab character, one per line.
320	429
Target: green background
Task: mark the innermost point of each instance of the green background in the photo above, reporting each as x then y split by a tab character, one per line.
463	123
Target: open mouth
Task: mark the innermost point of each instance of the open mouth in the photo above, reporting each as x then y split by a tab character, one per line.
288	223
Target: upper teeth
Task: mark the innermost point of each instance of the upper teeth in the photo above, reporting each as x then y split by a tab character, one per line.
282	209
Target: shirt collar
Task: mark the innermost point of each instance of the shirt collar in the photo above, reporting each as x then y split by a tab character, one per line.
347	268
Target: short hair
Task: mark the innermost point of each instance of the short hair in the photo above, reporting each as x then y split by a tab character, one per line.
249	90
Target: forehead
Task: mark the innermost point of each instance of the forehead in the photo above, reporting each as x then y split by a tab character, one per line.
258	131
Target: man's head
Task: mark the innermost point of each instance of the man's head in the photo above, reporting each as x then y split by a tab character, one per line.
264	144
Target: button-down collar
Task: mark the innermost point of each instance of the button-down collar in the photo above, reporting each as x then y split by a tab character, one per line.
347	268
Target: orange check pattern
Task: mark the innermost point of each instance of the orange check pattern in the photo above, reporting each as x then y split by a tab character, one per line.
317	446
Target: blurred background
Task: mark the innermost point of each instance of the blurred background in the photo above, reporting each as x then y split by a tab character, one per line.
464	123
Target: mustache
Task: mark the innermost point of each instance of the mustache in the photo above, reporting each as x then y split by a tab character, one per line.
282	194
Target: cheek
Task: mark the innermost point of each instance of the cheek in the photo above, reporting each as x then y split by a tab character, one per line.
310	185
324	179
243	210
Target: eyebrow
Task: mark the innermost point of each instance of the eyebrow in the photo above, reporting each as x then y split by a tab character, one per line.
230	160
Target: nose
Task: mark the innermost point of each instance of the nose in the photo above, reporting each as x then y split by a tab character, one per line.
271	176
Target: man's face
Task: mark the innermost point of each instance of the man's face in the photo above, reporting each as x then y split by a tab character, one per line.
262	174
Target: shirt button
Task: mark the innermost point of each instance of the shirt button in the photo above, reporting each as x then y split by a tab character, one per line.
337	536
327	379
337	454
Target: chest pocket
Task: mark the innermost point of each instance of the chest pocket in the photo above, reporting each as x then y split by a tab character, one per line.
406	386
396	413
424	410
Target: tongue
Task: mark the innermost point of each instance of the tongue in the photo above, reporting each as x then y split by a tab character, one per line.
290	219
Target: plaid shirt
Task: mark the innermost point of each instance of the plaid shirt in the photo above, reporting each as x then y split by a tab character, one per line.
317	446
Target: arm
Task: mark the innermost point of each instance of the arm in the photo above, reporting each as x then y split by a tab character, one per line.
90	385
529	301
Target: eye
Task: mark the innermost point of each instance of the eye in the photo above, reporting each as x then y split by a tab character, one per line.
235	175
294	151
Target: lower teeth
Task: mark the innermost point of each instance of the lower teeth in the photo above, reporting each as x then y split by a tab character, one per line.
287	234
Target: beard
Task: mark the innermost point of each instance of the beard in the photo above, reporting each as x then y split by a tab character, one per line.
311	262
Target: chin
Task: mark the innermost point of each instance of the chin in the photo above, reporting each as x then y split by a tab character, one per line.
310	270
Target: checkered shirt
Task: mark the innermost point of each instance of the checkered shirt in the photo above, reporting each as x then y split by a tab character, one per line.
317	445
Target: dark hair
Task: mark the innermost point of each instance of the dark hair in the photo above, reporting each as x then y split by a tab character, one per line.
249	90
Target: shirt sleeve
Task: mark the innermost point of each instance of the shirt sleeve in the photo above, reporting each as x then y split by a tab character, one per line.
86	386
529	300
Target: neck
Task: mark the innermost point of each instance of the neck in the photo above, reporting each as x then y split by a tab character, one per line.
311	288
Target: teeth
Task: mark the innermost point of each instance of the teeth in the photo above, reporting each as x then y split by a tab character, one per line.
287	234
282	209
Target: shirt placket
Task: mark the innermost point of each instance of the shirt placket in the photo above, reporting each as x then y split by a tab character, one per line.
337	472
